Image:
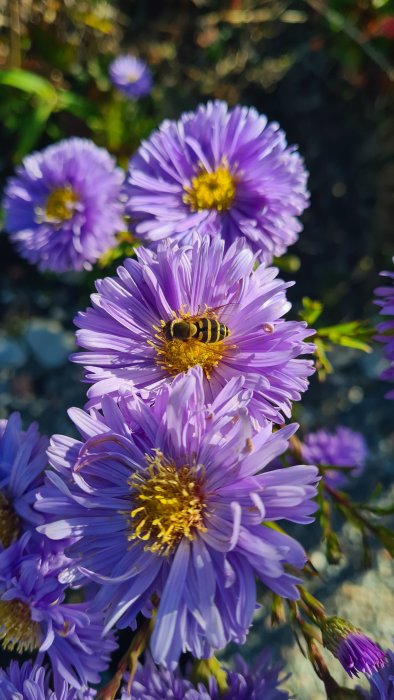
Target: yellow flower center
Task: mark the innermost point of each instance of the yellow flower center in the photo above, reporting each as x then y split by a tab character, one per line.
60	204
132	77
211	190
169	505
17	629
9	522
177	356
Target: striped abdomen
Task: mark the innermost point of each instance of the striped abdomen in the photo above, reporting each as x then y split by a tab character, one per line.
206	330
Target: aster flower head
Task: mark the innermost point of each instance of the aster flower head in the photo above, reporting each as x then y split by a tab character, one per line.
131	76
167	502
234	311
353	649
342	448
62	208
229	169
30	681
22	460
385	329
153	683
256	683
35	619
241	684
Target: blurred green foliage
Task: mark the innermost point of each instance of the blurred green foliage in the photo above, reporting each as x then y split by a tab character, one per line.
351	334
55	58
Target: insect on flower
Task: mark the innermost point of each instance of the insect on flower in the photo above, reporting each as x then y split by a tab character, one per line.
128	343
204	328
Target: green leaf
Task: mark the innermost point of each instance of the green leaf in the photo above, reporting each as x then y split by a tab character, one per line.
333	548
351	516
29	82
287	263
33	129
75	104
349	342
352	334
311	310
323	365
37	86
377	510
278	610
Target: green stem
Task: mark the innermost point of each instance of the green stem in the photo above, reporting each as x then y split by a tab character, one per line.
343	501
128	661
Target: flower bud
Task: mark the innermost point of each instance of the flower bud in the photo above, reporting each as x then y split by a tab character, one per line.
355	651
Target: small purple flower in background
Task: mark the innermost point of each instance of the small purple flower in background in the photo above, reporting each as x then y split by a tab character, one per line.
125	329
131	76
259	683
22	461
342	448
230	170
35	619
63	209
353	649
386	328
168	500
32	682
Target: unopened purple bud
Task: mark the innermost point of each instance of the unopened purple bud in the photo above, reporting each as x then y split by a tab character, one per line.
355	651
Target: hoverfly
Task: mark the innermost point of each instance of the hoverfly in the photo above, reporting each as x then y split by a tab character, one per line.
203	328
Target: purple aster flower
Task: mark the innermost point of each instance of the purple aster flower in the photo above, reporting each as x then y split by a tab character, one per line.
386	328
62	208
257	683
153	683
127	335
32	682
242	684
168	503
230	170
355	651
34	617
131	76
343	448
22	460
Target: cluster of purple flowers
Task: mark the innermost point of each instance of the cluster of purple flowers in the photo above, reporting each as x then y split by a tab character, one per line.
242	683
32	682
170	501
228	173
35	618
163	504
166	507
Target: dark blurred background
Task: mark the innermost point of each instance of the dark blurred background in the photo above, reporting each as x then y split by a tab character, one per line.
324	70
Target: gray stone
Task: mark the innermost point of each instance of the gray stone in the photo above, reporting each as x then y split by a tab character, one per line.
49	343
12	354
